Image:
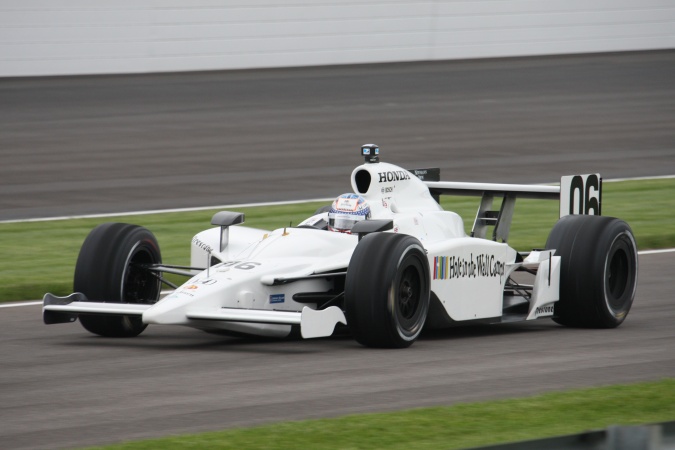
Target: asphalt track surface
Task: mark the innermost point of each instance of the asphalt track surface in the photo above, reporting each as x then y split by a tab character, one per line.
107	144
84	145
61	387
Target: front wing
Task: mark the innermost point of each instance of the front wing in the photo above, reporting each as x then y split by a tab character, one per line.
313	323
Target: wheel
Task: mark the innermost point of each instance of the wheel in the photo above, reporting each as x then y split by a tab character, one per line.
598	274
387	290
109	269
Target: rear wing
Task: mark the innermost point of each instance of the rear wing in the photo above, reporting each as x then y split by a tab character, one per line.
578	194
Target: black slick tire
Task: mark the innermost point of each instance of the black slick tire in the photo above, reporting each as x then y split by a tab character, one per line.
387	290
598	275
109	269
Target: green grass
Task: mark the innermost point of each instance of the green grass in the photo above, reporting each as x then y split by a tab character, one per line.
39	257
458	426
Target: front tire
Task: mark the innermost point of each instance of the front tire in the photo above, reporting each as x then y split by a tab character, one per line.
110	268
387	290
598	274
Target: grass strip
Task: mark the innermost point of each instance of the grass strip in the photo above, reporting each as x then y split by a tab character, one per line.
457	426
39	257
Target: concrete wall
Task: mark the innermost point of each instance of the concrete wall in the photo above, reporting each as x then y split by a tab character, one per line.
56	37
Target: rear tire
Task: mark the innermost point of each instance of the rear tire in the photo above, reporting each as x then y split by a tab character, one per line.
598	275
108	270
387	290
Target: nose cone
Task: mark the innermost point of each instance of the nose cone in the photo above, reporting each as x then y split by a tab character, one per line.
168	311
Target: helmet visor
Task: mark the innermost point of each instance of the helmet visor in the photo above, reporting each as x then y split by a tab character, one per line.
343	222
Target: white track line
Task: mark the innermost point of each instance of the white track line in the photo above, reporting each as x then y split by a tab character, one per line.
34	303
14	305
662	177
244	205
654	252
161	211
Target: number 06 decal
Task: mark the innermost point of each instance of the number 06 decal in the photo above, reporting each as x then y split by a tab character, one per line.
581	194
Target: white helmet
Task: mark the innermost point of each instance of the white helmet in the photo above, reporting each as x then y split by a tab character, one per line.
345	211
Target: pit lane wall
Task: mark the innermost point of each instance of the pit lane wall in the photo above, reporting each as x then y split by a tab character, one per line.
74	37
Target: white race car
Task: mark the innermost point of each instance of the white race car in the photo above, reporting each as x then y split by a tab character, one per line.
385	261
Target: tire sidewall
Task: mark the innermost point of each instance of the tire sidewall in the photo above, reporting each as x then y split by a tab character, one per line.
140	245
618	243
407	330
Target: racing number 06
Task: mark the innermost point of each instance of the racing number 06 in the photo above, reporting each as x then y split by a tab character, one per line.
581	194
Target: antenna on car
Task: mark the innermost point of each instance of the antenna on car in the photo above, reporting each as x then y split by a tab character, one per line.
371	152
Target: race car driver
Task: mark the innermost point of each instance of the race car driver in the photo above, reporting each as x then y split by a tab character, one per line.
344	213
